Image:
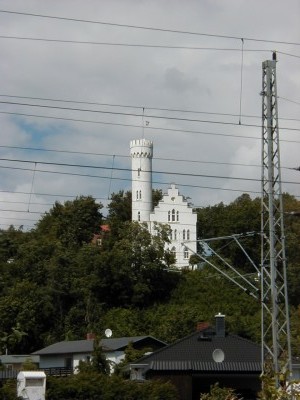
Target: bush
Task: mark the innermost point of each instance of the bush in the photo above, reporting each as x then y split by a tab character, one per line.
95	386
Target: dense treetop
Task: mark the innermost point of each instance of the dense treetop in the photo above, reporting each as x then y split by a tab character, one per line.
56	283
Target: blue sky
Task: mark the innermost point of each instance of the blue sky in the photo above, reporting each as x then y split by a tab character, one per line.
140	86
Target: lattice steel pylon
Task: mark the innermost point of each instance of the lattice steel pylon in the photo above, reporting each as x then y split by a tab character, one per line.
276	344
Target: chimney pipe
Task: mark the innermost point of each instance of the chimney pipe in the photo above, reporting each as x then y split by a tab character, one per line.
202	325
90	336
220	325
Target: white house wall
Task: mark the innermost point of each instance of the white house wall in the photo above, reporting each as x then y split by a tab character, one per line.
175	211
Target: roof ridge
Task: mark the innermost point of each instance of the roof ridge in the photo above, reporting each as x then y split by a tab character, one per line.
243	339
171	344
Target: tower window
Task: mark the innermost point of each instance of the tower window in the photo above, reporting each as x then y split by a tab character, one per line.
175	234
139	171
188	234
173	215
169	216
177	216
137	194
139	216
140	194
183	234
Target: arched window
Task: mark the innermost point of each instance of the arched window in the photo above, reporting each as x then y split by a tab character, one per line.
175	234
173	215
139	215
169	216
188	234
183	234
177	216
185	253
173	251
137	194
140	194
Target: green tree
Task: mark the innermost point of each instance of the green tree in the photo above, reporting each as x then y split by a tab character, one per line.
98	362
92	385
72	223
121	202
119	207
239	217
133	271
218	393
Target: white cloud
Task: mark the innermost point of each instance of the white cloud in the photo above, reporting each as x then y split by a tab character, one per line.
201	80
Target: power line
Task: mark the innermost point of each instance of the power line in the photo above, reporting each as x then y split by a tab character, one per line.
290	101
142	45
26	202
118	169
149	28
287	54
23	211
160	183
141	107
19	219
140	126
123	156
138	115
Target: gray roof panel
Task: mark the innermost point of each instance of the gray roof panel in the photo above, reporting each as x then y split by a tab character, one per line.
195	352
87	346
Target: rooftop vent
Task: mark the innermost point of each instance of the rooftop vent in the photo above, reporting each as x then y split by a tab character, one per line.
220	325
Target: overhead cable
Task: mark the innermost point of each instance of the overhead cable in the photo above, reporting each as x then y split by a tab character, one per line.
126	170
143	45
148	28
138	115
168	109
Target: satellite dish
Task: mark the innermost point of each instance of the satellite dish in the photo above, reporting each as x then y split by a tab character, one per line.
218	355
108	333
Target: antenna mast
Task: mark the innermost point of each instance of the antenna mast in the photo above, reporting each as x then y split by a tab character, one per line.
276	346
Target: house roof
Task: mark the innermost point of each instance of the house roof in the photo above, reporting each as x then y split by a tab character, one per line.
195	353
18	358
87	346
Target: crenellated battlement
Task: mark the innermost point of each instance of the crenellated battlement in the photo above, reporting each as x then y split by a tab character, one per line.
141	148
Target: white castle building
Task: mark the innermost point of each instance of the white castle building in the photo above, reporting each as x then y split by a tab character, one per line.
173	209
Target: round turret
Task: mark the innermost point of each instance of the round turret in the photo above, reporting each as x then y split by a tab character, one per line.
141	151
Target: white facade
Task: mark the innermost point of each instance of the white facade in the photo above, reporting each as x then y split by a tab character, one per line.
31	385
141	151
173	209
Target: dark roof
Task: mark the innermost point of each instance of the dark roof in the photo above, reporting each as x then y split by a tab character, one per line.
195	353
87	346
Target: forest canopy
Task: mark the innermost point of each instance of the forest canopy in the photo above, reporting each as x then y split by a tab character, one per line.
56	283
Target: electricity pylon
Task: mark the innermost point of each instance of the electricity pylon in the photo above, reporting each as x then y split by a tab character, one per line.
276	345
275	324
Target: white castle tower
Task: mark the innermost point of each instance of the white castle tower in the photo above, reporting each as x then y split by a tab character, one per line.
173	209
141	151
